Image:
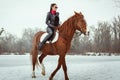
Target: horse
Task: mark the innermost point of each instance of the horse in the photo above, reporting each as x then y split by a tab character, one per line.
61	46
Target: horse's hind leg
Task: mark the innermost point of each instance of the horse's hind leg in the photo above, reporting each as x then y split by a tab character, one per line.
34	54
42	65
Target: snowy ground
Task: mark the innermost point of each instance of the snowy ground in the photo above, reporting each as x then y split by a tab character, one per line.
14	67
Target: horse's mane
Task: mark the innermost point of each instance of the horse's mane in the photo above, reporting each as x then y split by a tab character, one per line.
68	28
69	22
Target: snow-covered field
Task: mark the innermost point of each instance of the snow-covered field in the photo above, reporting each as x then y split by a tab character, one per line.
16	67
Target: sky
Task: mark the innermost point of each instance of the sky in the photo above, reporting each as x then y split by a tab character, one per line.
16	15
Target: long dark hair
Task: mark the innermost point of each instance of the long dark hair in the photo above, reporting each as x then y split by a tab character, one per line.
52	6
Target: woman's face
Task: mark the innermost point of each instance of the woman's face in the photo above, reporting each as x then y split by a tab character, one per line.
54	8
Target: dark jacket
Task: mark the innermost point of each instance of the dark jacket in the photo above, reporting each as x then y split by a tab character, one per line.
52	20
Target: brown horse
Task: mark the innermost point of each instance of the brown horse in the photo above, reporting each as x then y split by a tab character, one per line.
61	46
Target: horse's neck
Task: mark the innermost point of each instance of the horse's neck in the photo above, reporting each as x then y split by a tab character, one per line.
67	32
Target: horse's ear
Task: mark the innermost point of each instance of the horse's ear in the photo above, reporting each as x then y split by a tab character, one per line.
75	12
80	12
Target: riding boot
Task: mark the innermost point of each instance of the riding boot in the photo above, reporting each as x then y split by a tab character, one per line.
40	45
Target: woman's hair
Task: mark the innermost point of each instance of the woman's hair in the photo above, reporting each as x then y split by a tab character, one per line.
52	6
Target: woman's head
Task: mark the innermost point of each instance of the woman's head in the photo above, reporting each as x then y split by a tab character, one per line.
53	7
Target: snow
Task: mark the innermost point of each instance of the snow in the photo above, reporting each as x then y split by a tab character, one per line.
17	67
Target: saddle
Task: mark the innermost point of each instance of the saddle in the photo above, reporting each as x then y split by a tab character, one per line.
52	39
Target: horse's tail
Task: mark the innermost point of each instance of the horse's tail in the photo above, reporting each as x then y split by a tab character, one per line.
34	50
34	58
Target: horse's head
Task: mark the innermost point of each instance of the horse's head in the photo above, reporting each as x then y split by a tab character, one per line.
80	23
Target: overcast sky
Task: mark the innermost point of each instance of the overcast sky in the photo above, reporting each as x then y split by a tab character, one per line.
16	15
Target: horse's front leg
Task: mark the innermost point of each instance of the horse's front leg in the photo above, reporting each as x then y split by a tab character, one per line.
65	68
58	67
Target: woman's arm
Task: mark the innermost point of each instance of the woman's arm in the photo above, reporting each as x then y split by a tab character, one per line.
48	20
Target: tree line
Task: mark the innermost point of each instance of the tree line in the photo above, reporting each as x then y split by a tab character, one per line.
10	43
105	38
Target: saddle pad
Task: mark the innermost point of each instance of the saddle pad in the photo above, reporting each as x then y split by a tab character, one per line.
45	34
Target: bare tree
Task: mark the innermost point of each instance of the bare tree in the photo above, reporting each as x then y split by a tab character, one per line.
11	44
117	3
103	37
27	38
7	43
75	41
81	44
1	31
116	34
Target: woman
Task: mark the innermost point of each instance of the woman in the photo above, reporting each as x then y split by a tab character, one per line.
52	20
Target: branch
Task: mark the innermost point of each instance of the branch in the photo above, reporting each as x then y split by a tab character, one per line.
1	31
117	3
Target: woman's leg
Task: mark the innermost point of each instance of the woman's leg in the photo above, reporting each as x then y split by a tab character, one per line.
50	33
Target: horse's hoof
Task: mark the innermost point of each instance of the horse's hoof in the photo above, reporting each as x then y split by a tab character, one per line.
33	76
43	73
